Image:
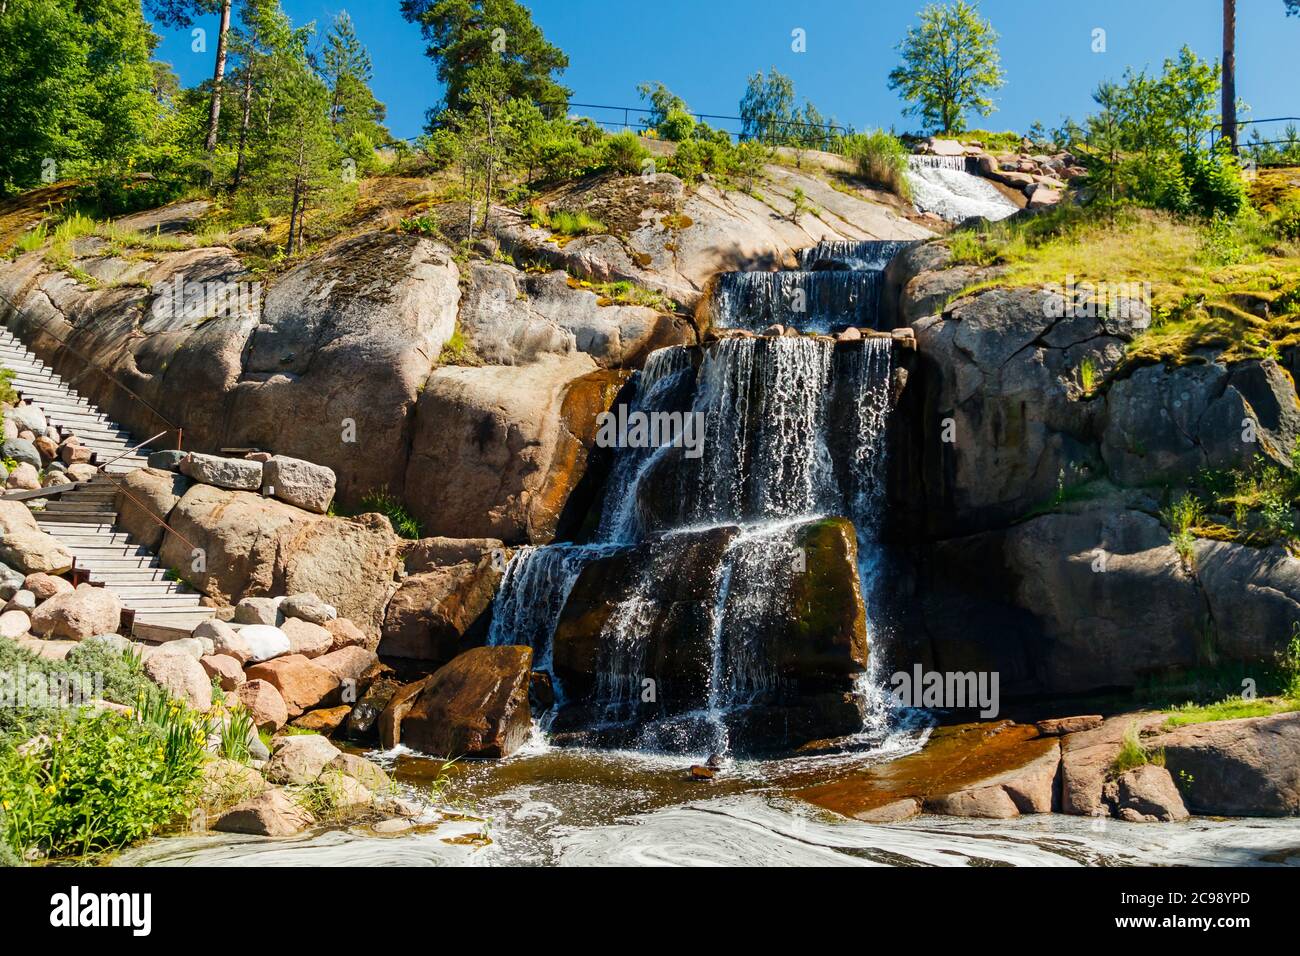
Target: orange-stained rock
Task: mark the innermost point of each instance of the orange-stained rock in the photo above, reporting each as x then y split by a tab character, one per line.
476	706
999	769
325	721
398	706
301	682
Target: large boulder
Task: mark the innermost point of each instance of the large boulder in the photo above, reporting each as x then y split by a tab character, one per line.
254	546
237	474
182	677
302	683
299	483
1245	767
498	450
144	500
434	614
475	706
25	547
77	615
512	318
1086	759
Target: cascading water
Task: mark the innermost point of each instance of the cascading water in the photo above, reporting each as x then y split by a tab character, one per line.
946	186
837	285
696	559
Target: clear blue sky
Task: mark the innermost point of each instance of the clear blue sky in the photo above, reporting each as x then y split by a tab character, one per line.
705	49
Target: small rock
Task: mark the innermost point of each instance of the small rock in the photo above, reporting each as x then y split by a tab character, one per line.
25	478
371	775
299	759
308	607
226	670
348	663
225	640
324	721
78	614
182	677
169	460
309	640
27	418
237	474
264	642
851	334
14	624
701	772
272	813
299	483
73	453
1058	726
44	587
259	610
347	634
22	601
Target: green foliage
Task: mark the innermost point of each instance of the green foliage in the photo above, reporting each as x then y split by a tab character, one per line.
624	153
768	115
7	394
100	782
455	351
881	159
388	505
1286	222
1088	375
76	81
1147	143
949	66
678	125
1132	754
1182	517
357	117
466	35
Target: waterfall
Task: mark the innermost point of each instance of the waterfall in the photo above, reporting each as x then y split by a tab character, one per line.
822	301
692	562
861	254
945	186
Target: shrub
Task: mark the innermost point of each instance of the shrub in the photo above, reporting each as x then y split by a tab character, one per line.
881	160
100	783
624	153
1286	222
1182	517
678	125
1132	754
1214	183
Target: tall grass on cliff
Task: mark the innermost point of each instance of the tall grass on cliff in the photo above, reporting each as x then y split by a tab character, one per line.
881	160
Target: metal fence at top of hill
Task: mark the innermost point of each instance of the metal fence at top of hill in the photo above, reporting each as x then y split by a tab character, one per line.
618	118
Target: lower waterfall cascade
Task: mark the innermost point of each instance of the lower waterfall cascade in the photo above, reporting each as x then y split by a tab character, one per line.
694	584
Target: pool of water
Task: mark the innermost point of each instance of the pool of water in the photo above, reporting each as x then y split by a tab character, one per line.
558	807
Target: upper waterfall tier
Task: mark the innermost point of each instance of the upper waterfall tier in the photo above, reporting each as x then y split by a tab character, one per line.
792	427
837	285
945	186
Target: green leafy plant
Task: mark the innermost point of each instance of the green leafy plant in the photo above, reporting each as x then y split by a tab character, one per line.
381	501
881	160
1182	517
1088	375
1132	754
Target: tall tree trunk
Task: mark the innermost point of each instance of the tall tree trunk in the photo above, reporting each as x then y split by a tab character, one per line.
218	75
1230	73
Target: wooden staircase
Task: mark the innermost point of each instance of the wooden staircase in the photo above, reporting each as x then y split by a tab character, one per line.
84	519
